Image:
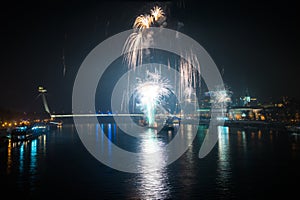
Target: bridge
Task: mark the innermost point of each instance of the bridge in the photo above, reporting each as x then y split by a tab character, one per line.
96	115
43	92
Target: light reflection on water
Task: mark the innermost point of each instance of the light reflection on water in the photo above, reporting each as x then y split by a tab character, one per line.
224	160
24	156
9	157
152	181
152	184
236	154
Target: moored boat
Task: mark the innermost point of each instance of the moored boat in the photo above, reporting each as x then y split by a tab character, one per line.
24	132
171	123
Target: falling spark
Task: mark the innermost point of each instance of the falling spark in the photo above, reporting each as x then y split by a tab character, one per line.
189	72
133	46
134	52
140	39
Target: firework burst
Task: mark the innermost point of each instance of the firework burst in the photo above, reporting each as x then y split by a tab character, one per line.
157	13
142	22
150	94
220	97
134	51
140	38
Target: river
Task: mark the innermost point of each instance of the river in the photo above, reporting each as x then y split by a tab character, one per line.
244	164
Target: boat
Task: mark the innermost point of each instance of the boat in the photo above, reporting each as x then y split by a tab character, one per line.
171	123
25	132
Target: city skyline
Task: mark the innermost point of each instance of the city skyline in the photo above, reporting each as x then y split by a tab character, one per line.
254	44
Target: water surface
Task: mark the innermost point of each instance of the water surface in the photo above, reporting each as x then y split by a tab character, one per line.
244	164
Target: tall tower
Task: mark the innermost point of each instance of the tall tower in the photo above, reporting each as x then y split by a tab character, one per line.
42	92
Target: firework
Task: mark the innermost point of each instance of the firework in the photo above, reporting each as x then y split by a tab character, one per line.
220	98
133	47
140	38
142	22
134	53
157	13
189	72
150	94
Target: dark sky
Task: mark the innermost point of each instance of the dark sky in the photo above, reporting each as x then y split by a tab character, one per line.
256	44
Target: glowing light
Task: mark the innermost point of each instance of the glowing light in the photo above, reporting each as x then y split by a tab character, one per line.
136	47
41	89
189	71
220	97
150	94
142	22
140	39
157	13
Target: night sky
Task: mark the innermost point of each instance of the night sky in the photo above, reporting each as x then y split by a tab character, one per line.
255	44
